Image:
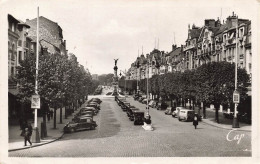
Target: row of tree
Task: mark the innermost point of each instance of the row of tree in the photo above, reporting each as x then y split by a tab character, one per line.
211	83
62	82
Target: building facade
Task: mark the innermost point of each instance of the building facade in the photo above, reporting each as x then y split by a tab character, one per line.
213	42
50	35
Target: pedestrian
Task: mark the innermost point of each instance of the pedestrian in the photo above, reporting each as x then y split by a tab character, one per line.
27	137
24	125
48	115
195	121
29	126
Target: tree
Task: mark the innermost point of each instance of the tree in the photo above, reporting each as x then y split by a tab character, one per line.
215	83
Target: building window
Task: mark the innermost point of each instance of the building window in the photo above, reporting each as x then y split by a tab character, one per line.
20	56
224	38
20	43
13	55
12	70
241	32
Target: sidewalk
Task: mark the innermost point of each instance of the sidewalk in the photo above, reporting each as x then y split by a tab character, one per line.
223	122
16	142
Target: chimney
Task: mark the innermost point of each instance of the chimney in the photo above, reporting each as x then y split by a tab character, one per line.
174	46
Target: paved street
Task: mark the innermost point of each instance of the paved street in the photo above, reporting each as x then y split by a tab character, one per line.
116	136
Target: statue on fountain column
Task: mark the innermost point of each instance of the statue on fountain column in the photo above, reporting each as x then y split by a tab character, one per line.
116	61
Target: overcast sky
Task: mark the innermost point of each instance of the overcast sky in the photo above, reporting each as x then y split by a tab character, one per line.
99	31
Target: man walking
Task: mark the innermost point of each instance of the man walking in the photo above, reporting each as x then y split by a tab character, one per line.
195	121
27	137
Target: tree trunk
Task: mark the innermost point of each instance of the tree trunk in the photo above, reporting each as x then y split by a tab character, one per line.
66	111
61	115
204	109
193	104
54	121
216	106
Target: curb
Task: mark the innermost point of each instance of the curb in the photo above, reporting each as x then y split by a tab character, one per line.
225	127
37	144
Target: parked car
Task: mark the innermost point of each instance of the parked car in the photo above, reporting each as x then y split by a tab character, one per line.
86	114
141	99
95	110
152	104
175	113
162	106
94	106
125	105
144	101
136	97
186	115
81	124
138	117
169	110
129	110
131	113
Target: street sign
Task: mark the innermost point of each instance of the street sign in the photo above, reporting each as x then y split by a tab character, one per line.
35	102
236	97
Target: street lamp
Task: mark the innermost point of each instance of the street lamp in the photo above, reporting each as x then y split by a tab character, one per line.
35	102
147	123
236	96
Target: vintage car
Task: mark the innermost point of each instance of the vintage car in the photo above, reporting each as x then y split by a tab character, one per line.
93	106
128	110
176	111
186	115
152	104
141	99
162	106
80	124
89	108
85	114
96	100
131	113
169	110
125	105
138	117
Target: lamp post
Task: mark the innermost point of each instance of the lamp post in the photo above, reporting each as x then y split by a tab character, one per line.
148	122
35	102
236	96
